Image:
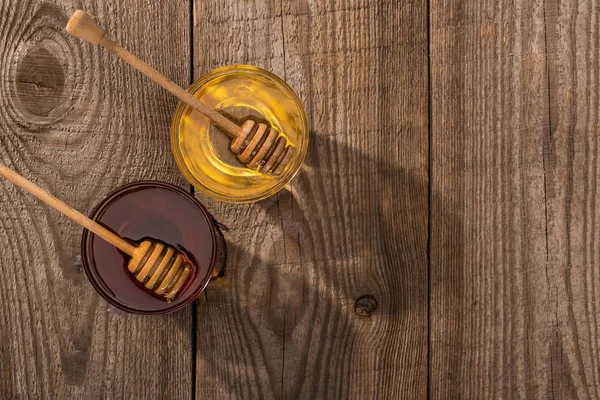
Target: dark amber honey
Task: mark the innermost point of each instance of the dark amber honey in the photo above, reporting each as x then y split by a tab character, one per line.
156	211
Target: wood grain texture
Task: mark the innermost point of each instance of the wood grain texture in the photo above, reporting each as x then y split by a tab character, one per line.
281	323
77	121
325	294
573	29
491	321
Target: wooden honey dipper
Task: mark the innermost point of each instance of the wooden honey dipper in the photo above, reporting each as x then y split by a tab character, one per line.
256	144
159	267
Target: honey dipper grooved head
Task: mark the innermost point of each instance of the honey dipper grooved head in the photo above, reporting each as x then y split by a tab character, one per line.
260	145
160	268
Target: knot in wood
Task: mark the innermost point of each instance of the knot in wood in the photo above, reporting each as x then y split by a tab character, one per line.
365	305
40	81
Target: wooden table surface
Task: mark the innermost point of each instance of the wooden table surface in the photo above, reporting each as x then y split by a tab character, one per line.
439	242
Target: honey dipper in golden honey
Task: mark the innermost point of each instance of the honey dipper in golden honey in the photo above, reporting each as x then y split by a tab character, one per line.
256	145
159	267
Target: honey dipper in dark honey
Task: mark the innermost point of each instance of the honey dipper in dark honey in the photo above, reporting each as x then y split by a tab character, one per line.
159	267
256	145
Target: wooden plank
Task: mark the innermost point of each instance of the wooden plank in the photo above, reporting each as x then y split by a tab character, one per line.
79	123
572	191
282	322
490	316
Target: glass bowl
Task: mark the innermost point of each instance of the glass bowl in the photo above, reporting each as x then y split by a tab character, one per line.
202	151
149	209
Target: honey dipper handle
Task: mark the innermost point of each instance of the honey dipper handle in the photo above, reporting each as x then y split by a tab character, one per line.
84	27
67	210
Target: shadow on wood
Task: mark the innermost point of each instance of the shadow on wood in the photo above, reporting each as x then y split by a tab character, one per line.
310	320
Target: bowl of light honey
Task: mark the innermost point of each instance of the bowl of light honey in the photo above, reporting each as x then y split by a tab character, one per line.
202	151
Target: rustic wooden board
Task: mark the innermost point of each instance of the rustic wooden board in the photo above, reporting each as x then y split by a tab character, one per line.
325	293
491	318
79	122
282	322
572	189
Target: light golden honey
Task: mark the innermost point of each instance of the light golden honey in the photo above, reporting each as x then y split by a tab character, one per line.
202	150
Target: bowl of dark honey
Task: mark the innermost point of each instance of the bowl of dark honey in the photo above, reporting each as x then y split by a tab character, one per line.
149	210
202	151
